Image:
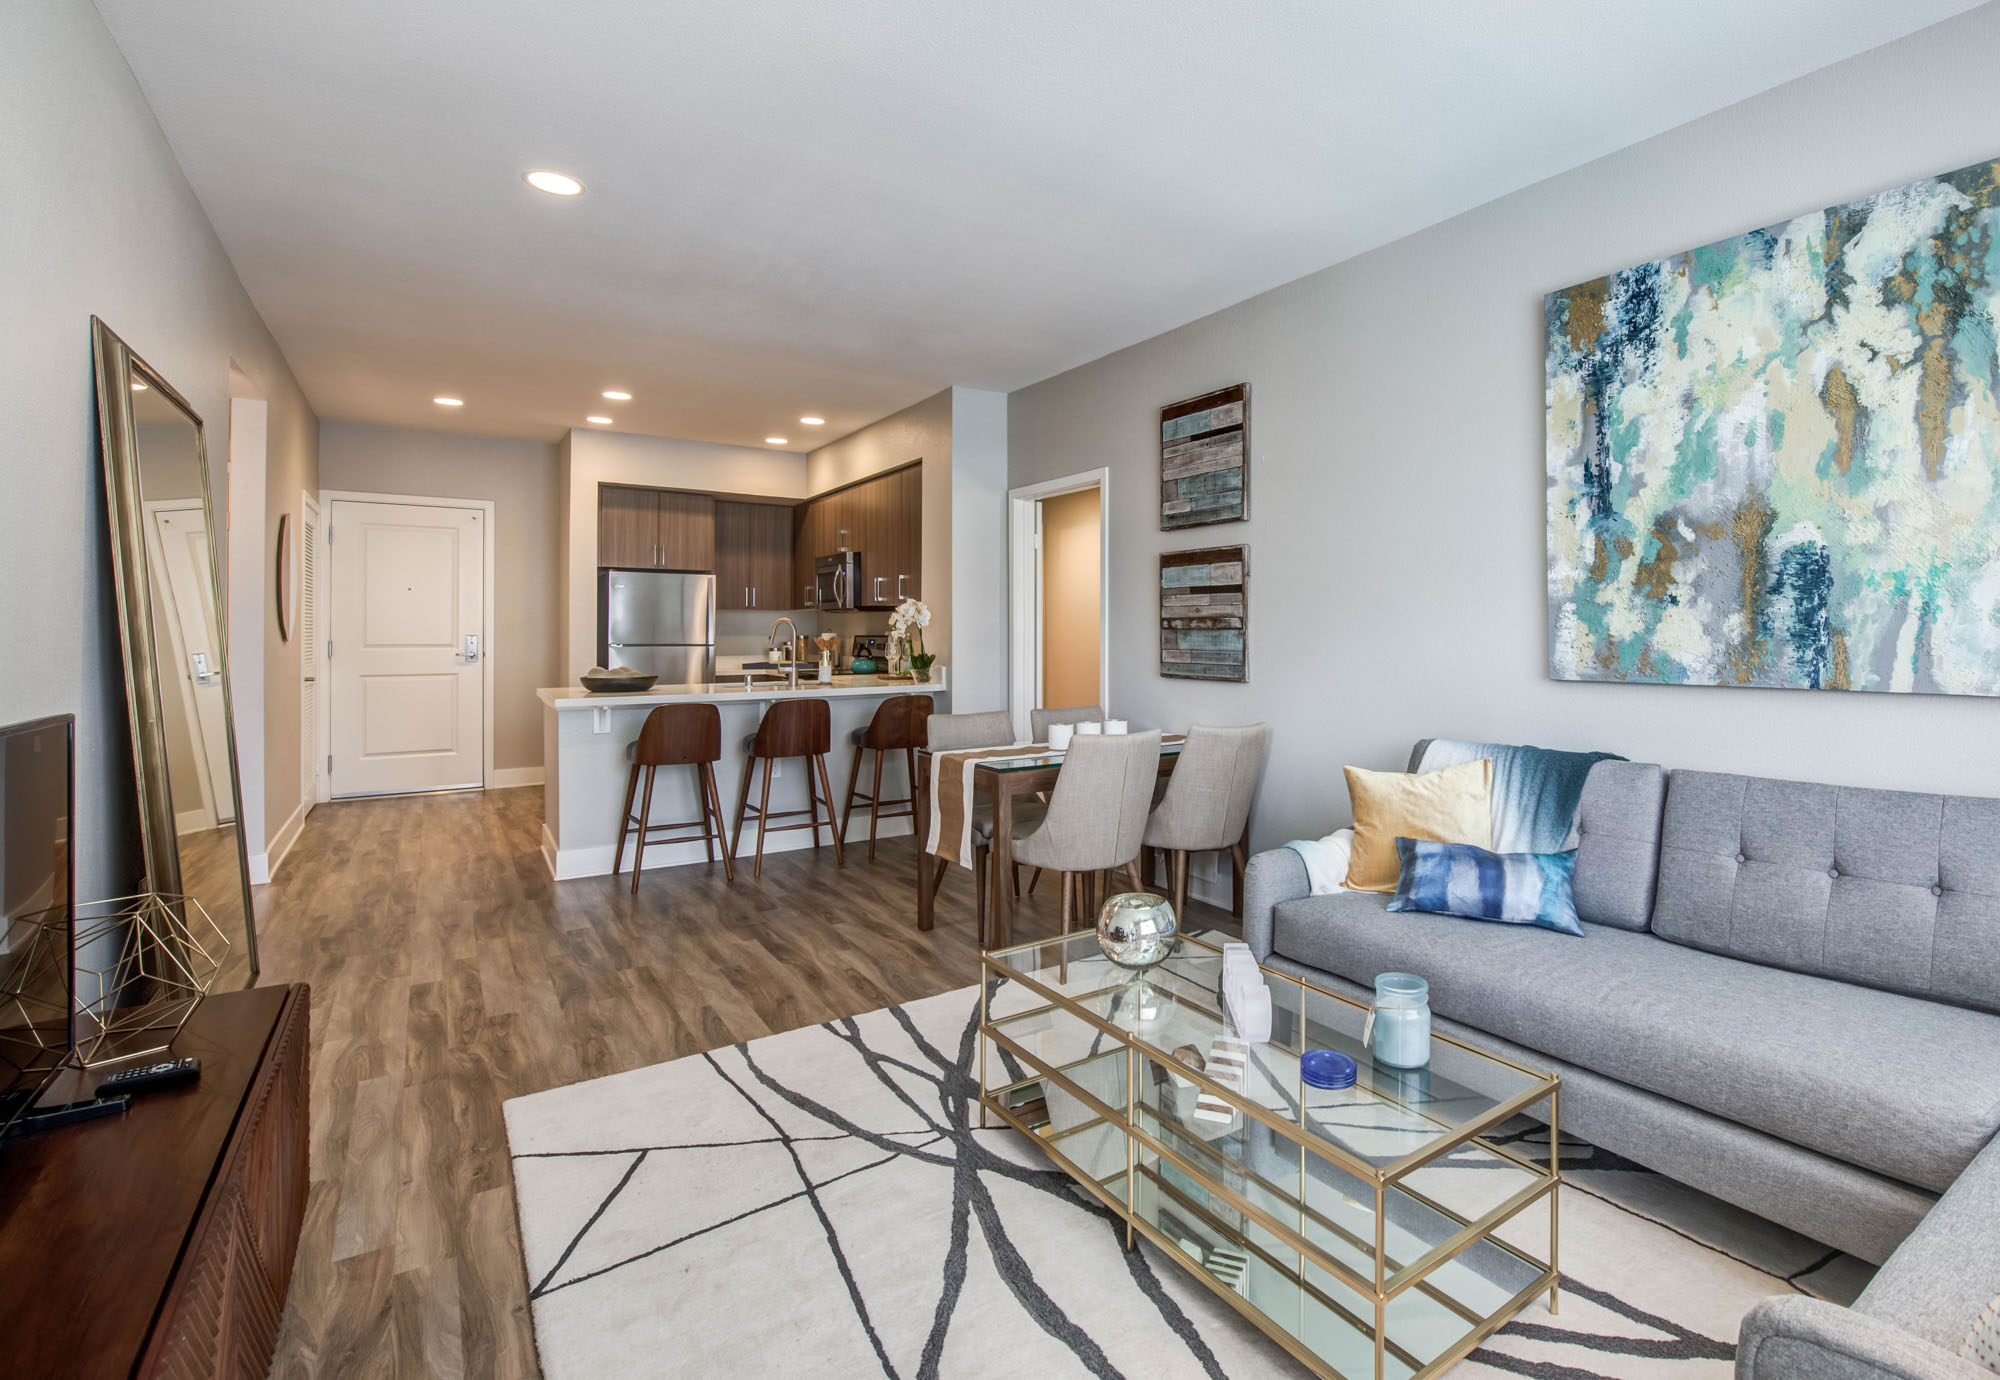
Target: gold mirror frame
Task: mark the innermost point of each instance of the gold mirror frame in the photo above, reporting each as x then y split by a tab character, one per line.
117	369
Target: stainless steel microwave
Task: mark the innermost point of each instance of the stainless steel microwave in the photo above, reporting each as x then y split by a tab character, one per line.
837	582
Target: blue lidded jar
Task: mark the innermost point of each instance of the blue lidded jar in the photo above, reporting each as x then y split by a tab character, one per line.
1399	1028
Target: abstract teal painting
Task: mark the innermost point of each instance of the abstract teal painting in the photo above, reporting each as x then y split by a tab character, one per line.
1775	460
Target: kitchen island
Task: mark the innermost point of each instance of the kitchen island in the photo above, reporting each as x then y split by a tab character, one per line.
586	738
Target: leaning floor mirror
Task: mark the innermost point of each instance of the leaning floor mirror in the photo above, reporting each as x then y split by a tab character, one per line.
167	539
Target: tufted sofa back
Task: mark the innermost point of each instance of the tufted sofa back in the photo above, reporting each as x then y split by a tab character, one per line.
1886	889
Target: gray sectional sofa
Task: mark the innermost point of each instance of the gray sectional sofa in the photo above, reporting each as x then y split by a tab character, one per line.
1788	996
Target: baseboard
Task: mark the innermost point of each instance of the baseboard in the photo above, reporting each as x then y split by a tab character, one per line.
505	778
193	821
568	864
263	866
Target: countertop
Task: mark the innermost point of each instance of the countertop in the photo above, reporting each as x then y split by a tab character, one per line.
569	697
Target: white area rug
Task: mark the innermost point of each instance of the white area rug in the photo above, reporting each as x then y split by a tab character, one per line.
818	1203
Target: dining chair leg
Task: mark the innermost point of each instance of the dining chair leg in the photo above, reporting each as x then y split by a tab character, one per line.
1034	877
625	818
1132	871
853	780
742	804
939	868
1180	884
1069	880
1239	856
1015	868
711	803
645	817
763	815
826	785
875	806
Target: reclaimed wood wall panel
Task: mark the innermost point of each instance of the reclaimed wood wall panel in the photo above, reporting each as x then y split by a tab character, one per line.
1205	613
1205	459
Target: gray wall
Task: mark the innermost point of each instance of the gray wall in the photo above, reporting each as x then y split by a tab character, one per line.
1396	538
521	479
98	219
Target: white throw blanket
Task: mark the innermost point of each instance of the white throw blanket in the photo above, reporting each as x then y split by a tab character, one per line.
1326	860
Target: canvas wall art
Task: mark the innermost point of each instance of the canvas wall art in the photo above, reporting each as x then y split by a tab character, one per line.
1205	459
1775	460
1204	613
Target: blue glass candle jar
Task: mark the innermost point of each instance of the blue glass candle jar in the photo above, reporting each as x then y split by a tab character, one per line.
1399	1028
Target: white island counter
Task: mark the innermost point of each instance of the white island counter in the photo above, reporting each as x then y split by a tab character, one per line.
586	738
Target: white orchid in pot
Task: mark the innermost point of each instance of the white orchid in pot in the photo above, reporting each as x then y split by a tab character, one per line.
906	625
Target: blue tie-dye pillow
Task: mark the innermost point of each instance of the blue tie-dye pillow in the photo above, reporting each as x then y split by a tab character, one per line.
1513	888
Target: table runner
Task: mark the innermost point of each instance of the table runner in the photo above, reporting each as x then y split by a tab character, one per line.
951	786
951	796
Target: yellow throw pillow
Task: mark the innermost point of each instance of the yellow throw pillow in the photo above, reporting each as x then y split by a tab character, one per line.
1450	805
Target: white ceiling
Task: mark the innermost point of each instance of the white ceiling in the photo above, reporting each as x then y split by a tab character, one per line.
840	206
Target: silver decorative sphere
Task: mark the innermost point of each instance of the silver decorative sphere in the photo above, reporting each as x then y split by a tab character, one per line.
1136	929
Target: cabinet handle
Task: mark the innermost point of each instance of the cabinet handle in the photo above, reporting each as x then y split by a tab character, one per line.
899	586
753	596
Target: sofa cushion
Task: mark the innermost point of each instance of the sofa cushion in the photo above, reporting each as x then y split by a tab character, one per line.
1906	1087
1883	888
1617	841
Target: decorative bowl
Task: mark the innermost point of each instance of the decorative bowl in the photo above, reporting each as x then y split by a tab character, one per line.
866	666
619	678
1137	929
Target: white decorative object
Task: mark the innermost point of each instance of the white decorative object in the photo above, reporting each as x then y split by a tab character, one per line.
1114	726
1059	736
1090	726
1244	994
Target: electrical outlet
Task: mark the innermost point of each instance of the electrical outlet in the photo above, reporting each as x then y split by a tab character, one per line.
777	768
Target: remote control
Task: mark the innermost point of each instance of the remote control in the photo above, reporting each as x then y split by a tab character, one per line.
151	1077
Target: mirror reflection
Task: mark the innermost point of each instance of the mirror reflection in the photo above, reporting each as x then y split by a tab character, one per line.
187	646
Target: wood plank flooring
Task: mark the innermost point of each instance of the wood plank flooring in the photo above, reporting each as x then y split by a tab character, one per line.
449	974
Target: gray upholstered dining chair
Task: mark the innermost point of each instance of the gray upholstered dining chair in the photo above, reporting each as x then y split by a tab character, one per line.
1096	820
960	733
1208	798
1040	719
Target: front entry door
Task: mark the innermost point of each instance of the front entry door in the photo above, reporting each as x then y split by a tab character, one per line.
407	609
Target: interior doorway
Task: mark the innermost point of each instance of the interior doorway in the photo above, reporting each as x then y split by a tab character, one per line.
409	624
1059	594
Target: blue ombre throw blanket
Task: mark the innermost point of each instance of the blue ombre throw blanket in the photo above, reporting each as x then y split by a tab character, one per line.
1535	790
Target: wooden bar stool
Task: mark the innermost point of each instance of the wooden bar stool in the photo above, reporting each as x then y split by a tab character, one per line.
791	728
898	724
676	735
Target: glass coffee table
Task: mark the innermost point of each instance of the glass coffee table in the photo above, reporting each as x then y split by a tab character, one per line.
1379	1230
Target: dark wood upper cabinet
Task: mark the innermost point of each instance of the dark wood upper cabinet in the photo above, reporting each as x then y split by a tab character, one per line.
910	511
687	531
628	527
753	557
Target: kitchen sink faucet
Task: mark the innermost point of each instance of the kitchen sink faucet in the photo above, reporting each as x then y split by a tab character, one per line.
791	647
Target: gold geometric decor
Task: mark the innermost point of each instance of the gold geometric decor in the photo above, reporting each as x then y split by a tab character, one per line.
34	1008
134	1000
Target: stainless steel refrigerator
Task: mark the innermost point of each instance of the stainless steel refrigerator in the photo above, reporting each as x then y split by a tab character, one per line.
659	621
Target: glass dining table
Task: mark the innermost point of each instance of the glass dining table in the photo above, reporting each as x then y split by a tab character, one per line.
1030	769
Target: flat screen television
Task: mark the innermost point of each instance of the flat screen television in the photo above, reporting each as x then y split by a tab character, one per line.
37	890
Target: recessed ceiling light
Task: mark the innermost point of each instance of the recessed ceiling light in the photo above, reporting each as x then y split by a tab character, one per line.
449	402
774	441
601	421
554	183
616	396
138	388
812	421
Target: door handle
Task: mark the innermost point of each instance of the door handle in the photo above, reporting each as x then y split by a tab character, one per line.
471	647
199	661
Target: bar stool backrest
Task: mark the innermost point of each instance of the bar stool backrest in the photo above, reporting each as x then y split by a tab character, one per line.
680	735
899	723
794	728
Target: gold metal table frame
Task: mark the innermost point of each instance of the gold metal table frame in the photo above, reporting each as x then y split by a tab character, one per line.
1276	1233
